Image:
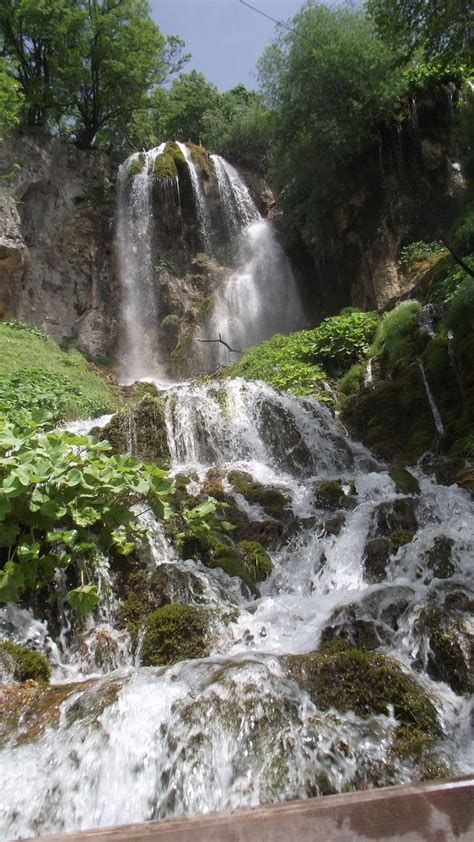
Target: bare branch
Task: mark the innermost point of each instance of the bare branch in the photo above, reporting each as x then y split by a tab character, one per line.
232	350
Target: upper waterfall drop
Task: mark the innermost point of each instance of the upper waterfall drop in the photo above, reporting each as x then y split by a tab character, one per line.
138	348
200	198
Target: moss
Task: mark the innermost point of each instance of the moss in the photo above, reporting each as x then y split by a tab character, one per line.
175	633
368	683
438	557
23	663
398	539
200	157
167	164
206	308
258	558
405	482
140	429
170	321
330	495
179	358
136	167
272	501
450	648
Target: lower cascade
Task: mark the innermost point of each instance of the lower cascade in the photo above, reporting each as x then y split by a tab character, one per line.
346	663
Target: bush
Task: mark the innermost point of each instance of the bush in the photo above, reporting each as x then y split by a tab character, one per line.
339	341
419	250
396	332
463	231
280	362
65	503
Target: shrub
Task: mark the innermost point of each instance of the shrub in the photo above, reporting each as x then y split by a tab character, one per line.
339	341
460	315
463	231
280	362
420	249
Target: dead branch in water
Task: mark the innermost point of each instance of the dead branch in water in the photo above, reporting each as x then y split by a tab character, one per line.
222	342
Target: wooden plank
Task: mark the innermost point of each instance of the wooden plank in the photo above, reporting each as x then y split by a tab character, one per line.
433	812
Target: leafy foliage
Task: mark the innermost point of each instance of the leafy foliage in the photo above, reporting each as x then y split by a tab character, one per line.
332	82
460	315
443	289
280	362
65	503
11	98
340	340
61	382
420	249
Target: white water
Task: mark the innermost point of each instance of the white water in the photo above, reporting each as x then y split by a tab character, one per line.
260	298
434	409
200	198
232	729
139	352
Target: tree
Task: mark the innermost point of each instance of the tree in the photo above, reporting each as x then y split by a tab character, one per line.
332	83
441	32
11	99
120	55
190	97
37	36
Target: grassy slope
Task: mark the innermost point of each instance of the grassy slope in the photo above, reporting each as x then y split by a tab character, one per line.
22	351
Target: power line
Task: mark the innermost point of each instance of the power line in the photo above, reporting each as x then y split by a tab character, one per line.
264	15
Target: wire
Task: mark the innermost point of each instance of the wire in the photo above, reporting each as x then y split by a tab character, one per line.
264	15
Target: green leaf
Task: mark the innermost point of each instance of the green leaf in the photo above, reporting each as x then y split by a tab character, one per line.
83	599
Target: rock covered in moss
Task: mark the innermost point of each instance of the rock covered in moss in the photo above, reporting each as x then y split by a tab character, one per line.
448	648
247	560
23	664
167	164
394	524
272	500
405	482
368	683
330	494
438	557
140	430
175	633
371	622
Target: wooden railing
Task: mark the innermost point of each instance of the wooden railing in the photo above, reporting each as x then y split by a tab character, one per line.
433	812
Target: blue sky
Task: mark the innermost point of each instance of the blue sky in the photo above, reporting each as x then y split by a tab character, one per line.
224	37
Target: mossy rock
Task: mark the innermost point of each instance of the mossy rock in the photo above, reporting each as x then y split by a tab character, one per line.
180	357
375	559
405	482
438	558
331	495
371	622
271	500
168	163
23	664
450	652
175	633
137	166
396	517
247	560
140	429
201	158
257	559
368	683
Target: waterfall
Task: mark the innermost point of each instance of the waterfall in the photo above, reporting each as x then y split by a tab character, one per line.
434	409
138	350
200	198
234	729
237	204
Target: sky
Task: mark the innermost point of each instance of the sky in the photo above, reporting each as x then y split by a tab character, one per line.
224	37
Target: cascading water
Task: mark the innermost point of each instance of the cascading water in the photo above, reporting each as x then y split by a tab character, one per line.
139	352
260	298
124	743
200	198
438	421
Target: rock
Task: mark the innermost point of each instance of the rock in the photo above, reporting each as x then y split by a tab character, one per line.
14	257
405	482
331	495
368	683
438	558
375	558
140	430
175	633
273	501
448	648
22	664
371	622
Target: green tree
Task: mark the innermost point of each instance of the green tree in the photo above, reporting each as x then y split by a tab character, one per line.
441	32
190	98
11	99
332	83
37	35
120	55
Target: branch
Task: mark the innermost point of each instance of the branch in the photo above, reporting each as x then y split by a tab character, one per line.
232	350
457	258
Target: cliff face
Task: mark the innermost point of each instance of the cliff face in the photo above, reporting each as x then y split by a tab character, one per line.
56	229
407	188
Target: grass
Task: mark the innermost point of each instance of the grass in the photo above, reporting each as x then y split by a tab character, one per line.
27	356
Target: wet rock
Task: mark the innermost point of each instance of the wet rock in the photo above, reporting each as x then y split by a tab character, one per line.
368	683
140	430
18	663
273	501
331	495
447	647
398	516
175	633
438	558
333	525
29	709
375	559
405	482
371	622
